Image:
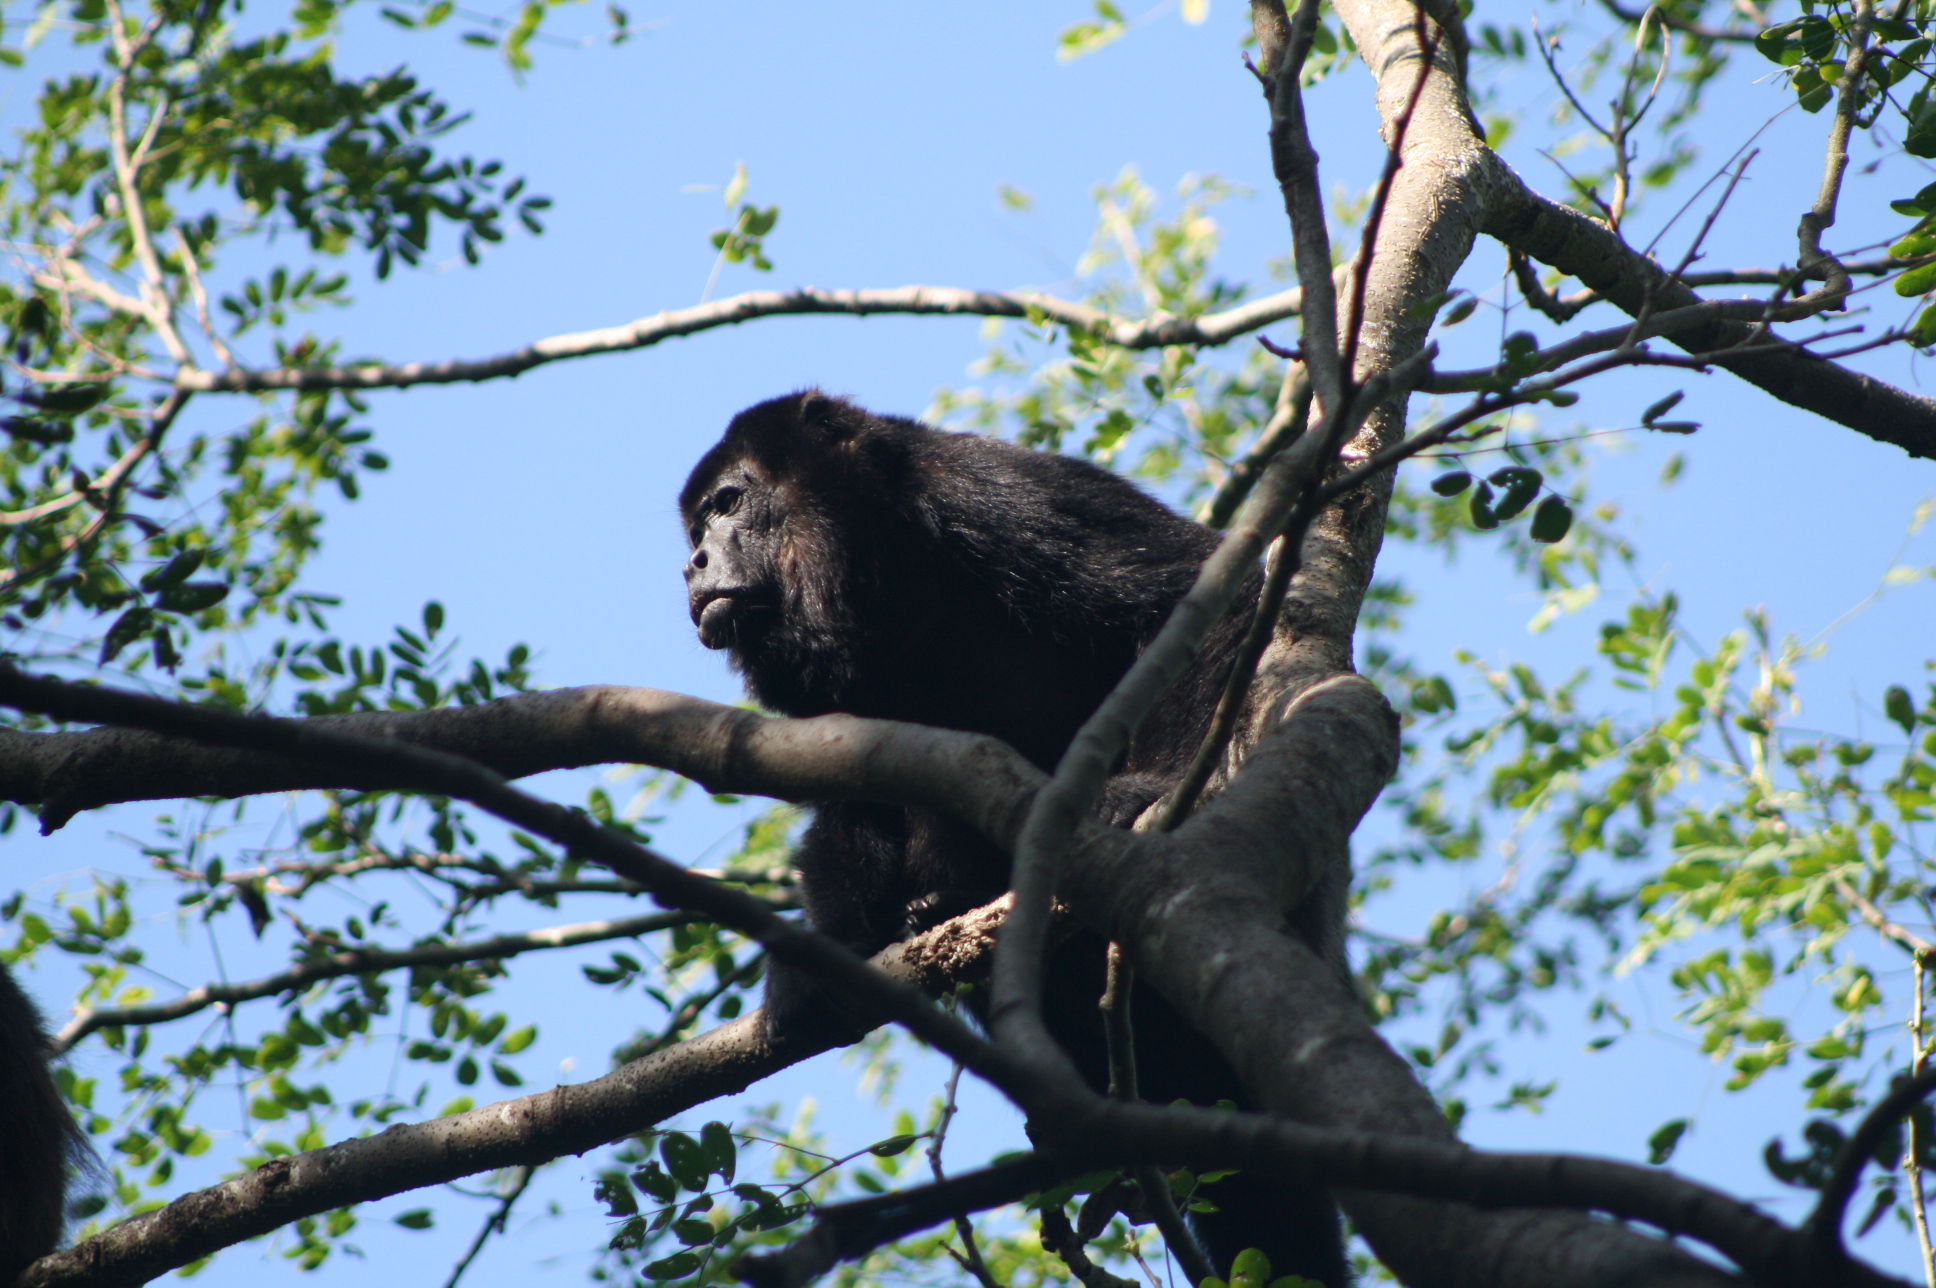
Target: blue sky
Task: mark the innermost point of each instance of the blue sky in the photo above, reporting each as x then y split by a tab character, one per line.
542	509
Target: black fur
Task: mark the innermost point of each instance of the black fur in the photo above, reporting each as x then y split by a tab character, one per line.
868	564
39	1143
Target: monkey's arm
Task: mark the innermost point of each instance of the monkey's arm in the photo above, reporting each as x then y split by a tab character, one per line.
851	862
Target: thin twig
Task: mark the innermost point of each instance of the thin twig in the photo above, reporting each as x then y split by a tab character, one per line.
199	293
1280	565
969	1258
1287	421
1285	41
1685	26
127	171
1820	217
494	1223
93	490
109	497
359	961
1912	1155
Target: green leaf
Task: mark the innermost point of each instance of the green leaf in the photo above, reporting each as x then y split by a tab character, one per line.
193	596
656	1182
1661	408
1897	705
1520	485
721	1154
1250	1269
1774	43
1922	332
685	1159
1552	520
1666	1138
175	571
676	1266
1521	352
127	628
694	1232
1452	484
1480	508
71	400
1919	280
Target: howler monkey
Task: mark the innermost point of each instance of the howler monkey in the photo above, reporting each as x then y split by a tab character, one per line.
871	565
39	1143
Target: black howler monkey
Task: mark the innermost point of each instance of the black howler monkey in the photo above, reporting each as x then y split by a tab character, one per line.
39	1143
871	565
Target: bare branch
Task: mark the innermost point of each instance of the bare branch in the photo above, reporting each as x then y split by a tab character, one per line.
127	177
1588	250
66	275
493	1224
1686	26
1148	333
360	961
1820	217
1059	1237
1286	41
199	293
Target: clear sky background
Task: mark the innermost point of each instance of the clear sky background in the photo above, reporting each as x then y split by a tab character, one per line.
542	509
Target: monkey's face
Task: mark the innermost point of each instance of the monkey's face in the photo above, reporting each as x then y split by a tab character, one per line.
732	587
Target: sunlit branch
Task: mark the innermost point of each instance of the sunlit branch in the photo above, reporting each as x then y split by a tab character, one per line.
1145	333
104	494
1284	41
1820	217
95	489
127	171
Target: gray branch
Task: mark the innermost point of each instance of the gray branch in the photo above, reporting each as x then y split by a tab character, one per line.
1130	333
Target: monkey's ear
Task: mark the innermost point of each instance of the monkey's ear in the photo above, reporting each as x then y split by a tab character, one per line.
828	419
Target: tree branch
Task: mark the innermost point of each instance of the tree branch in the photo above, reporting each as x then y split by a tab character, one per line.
360	961
421	769
1147	333
1586	249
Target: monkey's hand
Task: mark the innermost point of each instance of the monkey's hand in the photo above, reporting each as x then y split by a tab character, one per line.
936	906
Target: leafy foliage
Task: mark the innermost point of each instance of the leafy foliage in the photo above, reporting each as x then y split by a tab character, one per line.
194	191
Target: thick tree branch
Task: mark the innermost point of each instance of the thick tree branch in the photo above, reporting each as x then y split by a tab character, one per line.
442	773
725	749
513	1133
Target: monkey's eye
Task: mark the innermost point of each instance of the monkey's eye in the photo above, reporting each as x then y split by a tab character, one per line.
726	500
